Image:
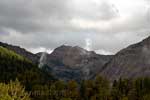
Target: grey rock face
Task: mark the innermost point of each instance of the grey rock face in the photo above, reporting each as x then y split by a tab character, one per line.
131	62
67	62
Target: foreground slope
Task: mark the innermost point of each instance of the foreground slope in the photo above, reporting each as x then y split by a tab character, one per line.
14	66
131	62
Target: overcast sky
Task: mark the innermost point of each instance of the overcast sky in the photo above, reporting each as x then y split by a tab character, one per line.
105	26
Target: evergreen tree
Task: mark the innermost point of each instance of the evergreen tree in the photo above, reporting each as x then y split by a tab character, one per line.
102	88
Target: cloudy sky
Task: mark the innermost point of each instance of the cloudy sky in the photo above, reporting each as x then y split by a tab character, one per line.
105	26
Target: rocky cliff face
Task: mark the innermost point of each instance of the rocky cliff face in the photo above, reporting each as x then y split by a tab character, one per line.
131	62
68	62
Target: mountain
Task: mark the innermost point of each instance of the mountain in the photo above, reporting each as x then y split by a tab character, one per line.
73	62
21	51
131	62
67	62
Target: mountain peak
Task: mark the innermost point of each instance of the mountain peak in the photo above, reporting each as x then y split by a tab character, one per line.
71	55
75	62
69	49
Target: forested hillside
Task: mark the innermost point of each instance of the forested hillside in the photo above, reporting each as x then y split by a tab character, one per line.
13	66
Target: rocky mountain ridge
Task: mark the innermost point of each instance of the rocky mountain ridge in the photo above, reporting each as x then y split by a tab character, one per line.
131	62
67	62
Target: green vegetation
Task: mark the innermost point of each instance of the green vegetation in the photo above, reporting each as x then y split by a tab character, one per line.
12	55
40	85
135	89
13	91
98	89
14	66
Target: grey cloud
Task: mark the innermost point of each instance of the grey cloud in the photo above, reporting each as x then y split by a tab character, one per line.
33	16
47	23
102	11
108	11
47	15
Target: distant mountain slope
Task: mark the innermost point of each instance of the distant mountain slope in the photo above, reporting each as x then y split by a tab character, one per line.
133	61
67	62
34	58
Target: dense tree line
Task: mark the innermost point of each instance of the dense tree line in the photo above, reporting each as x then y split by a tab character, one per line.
98	89
133	89
22	80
